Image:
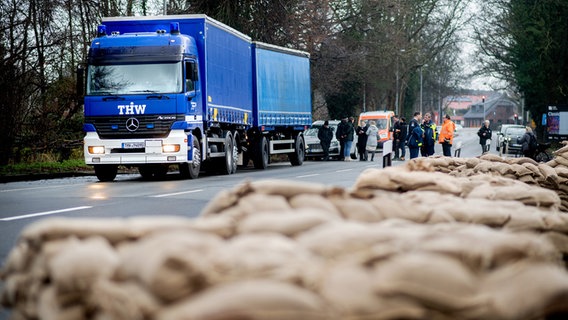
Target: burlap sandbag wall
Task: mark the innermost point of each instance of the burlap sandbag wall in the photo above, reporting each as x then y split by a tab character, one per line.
403	243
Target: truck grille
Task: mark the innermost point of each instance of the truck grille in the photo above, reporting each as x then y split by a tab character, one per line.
149	126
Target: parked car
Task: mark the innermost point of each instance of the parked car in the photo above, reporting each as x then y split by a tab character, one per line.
313	148
501	132
511	136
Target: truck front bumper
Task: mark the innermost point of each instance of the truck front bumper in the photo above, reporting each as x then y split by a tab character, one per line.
172	149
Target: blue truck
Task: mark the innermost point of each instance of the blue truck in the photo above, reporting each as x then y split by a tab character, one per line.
190	91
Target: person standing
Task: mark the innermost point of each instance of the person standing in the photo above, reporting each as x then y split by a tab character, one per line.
325	135
415	135
403	134
396	137
372	134
340	134
429	128
362	141
529	143
484	134
349	135
446	137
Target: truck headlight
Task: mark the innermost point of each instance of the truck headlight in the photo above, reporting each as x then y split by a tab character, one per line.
170	148
96	149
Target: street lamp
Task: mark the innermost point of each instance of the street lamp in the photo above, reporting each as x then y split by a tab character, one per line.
421	108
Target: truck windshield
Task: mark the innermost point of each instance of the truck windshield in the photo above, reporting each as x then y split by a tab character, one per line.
134	78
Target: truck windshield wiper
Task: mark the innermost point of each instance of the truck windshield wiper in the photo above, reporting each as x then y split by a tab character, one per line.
157	96
113	98
149	91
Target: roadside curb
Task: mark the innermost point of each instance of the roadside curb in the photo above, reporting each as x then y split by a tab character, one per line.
43	176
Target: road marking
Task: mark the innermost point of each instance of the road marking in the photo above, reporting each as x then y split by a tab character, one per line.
308	175
44	213
175	194
343	170
36	188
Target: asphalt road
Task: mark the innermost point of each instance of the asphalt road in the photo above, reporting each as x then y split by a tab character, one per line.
22	203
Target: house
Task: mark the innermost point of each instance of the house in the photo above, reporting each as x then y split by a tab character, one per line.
497	108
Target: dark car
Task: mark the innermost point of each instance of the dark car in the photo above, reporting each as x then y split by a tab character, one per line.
501	131
510	143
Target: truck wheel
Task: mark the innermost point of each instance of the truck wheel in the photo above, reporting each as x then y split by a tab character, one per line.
229	162
297	157
191	170
106	172
260	157
236	151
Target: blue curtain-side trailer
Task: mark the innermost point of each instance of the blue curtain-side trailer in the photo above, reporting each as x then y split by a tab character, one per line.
183	90
282	106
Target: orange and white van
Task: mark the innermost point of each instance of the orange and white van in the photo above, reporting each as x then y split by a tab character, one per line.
383	121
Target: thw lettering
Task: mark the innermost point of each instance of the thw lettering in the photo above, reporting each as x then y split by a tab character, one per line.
131	108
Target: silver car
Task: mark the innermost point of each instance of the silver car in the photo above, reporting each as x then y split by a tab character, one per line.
313	147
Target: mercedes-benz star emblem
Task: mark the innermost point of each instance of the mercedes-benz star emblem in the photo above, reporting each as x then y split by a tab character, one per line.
132	124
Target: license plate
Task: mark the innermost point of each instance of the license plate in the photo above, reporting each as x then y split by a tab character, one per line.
133	145
316	150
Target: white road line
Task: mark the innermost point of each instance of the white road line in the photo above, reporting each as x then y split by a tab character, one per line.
343	170
37	188
175	194
44	213
308	175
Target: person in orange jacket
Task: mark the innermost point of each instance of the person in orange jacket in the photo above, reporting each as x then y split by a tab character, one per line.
446	136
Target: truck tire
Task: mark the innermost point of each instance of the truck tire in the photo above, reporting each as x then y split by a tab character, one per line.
106	172
229	160
260	156
297	157
236	151
191	170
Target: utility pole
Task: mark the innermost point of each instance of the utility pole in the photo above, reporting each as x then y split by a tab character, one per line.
397	89
421	107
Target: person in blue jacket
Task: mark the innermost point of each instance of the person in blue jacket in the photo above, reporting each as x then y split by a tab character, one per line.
429	140
414	140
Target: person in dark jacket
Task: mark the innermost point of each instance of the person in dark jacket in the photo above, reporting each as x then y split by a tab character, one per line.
402	137
529	143
325	135
341	134
362	141
484	134
429	139
349	135
415	135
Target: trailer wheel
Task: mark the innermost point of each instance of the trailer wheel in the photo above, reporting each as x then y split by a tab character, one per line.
106	172
297	157
191	170
260	157
236	151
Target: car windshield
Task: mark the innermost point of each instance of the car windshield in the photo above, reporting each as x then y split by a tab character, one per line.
515	131
134	78
313	130
507	127
380	123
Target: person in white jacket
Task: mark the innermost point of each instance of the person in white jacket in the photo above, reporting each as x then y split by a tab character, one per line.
372	140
